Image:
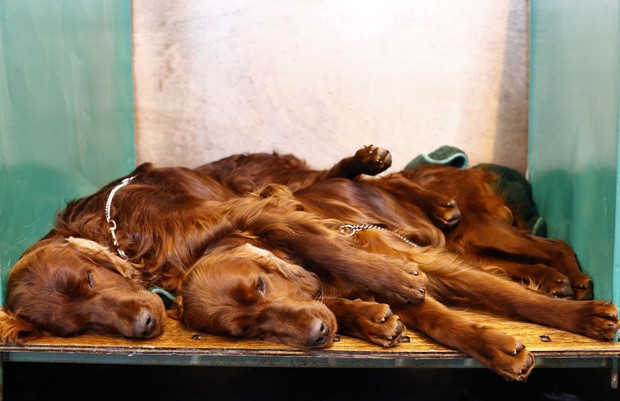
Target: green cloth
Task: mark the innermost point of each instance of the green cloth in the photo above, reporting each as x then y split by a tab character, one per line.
517	191
446	155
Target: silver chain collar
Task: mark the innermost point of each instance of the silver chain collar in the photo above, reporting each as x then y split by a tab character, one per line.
112	223
351	229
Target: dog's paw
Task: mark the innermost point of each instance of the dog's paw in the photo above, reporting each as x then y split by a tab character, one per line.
373	160
445	213
504	354
382	326
582	287
556	284
405	285
598	319
374	322
512	361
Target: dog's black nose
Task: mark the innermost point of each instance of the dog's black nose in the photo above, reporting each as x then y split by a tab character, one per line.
145	325
319	332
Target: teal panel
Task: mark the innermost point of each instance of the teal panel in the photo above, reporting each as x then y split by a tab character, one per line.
573	132
66	110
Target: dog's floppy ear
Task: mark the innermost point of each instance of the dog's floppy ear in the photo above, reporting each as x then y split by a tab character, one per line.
101	256
303	278
13	330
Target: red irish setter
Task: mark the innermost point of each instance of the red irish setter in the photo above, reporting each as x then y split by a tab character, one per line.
429	195
273	265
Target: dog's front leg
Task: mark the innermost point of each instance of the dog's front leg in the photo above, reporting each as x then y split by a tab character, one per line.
369	160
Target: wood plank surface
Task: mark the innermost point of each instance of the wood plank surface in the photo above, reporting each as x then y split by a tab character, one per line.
543	342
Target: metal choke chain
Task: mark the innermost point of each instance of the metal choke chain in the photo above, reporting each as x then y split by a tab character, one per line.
112	223
351	229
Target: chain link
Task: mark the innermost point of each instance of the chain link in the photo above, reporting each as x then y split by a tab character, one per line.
112	223
351	229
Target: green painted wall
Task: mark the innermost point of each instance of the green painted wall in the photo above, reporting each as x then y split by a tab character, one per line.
66	110
573	132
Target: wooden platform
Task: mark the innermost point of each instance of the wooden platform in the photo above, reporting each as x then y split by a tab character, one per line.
179	346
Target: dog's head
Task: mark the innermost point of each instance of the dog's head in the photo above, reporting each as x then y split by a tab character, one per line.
249	292
69	286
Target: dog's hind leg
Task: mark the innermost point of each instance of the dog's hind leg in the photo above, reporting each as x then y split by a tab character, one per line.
597	319
500	352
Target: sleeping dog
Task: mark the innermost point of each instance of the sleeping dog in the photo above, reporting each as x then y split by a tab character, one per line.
344	254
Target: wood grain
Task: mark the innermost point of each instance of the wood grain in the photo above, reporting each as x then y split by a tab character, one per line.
177	340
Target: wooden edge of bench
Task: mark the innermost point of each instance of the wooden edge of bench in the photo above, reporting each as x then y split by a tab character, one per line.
179	345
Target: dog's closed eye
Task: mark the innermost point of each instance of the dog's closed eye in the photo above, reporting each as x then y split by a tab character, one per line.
90	280
261	286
